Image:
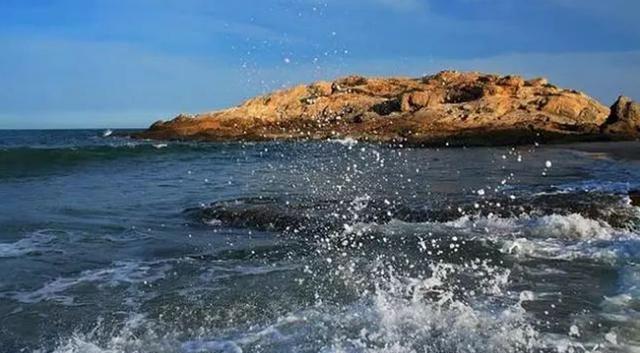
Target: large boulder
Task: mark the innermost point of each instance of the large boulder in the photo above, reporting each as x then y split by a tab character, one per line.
624	120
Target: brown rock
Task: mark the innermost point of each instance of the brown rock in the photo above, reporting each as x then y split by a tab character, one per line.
450	106
157	124
511	81
416	100
183	117
564	105
320	89
624	120
536	82
352	81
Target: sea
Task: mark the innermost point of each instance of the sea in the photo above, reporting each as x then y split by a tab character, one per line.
110	244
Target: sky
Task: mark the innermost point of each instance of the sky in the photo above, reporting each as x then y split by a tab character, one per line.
127	63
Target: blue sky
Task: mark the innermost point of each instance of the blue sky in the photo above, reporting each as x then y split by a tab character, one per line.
126	63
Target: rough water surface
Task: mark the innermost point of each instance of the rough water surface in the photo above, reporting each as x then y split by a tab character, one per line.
114	245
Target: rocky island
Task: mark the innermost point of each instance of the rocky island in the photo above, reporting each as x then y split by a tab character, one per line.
448	107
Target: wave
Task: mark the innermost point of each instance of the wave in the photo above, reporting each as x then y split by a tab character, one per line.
129	273
594	226
402	315
572	226
476	305
98	151
433	313
27	161
35	242
557	237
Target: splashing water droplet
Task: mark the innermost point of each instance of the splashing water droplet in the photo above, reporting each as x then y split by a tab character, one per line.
574	331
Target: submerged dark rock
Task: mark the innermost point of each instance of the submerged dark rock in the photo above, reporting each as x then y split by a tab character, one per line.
311	217
448	107
634	195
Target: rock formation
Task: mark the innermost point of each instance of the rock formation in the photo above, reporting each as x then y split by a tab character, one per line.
449	107
624	120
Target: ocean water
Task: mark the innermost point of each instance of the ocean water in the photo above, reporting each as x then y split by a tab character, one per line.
113	245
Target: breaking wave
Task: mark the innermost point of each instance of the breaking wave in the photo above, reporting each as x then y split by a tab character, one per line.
434	313
428	289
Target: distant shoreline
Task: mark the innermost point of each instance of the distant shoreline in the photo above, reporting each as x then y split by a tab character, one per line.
79	129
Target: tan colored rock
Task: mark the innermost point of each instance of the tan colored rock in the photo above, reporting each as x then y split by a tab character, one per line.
624	120
459	108
352	81
418	99
320	89
536	82
511	81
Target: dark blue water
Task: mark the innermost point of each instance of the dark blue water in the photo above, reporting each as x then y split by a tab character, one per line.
115	245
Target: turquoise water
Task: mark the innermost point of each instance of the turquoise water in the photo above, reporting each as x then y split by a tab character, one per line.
113	245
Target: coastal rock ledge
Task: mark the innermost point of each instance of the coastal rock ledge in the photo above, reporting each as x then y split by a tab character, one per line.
448	107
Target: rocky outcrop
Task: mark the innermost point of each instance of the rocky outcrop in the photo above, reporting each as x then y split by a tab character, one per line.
624	120
452	107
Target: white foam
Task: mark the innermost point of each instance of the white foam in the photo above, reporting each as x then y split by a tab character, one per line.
347	141
32	242
119	273
214	222
403	314
138	334
572	226
434	313
552	236
211	346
